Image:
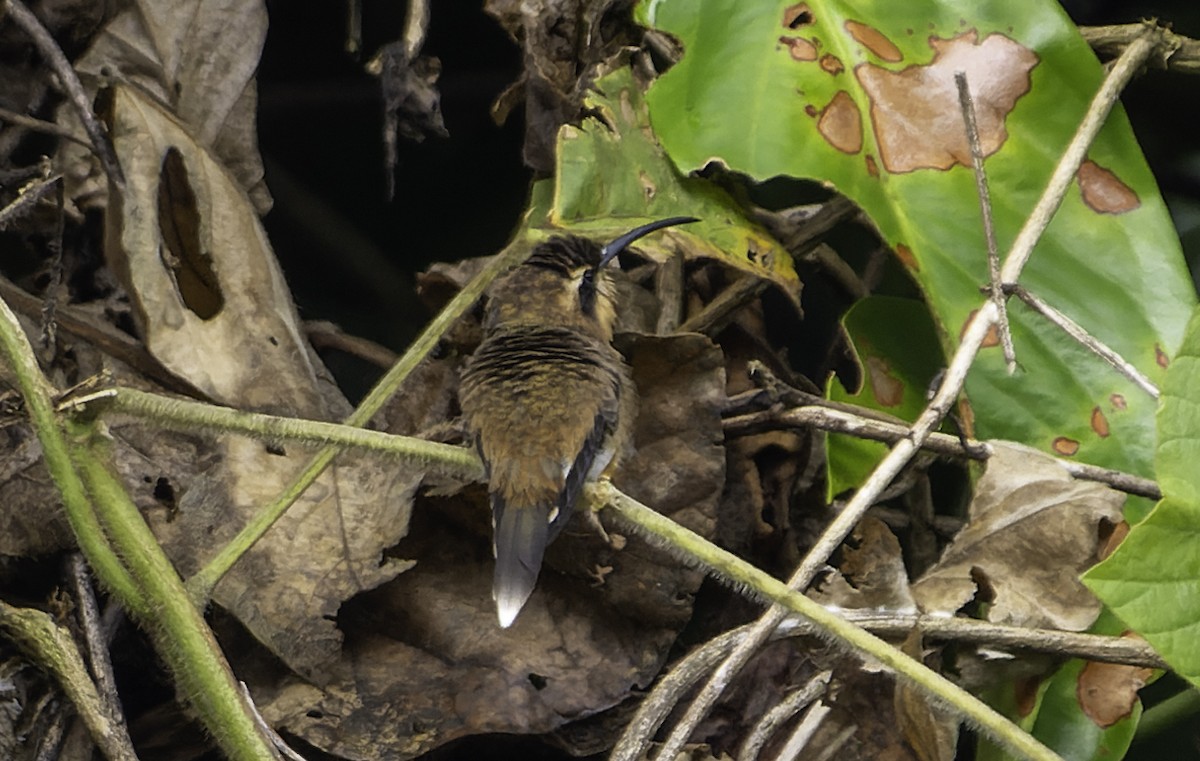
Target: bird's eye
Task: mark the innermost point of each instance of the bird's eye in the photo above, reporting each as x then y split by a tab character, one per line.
587	292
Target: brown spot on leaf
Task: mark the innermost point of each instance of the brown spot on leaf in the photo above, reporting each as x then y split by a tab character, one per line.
1160	357
841	124
888	389
831	64
875	41
873	170
1118	401
1065	447
1099	423
1107	691
1103	192
800	48
915	112
903	252
796	16
811	110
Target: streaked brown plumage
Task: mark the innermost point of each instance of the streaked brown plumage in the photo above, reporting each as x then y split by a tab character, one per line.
547	399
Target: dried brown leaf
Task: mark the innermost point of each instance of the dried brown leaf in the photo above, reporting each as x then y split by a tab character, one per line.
195	57
1032	530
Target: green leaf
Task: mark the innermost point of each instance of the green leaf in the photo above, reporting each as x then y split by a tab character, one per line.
897	349
867	103
612	175
1152	581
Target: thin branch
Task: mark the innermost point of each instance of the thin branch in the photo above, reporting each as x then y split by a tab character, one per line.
327	335
967	104
1090	342
718	312
1177	53
28	196
53	55
847	422
780	714
40	125
804	731
97	650
970	343
669	288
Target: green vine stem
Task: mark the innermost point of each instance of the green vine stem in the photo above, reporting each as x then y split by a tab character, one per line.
200	585
188	416
37	393
50	646
153	592
695	548
180	633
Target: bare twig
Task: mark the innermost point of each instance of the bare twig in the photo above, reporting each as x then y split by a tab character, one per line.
32	192
40	125
97	650
1178	53
1090	342
780	714
967	104
848	422
327	335
804	731
24	18
717	314
970	343
353	26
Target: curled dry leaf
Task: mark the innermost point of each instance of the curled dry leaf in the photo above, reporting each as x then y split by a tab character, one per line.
1032	530
599	624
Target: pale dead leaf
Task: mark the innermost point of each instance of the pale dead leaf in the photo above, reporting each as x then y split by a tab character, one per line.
1032	530
195	57
872	574
208	296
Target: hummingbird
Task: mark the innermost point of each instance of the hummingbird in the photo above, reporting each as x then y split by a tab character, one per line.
546	398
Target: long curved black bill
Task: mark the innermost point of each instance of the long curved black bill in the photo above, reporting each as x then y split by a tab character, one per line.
617	246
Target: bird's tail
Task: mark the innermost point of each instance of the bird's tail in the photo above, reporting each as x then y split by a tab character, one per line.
521	535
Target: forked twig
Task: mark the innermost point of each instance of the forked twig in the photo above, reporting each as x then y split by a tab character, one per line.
971	342
967	104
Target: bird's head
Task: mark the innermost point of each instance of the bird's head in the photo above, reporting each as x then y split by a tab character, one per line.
565	282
